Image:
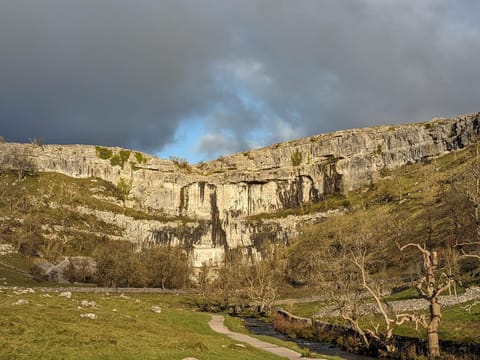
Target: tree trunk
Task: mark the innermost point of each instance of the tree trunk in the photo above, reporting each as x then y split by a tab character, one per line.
433	345
435	316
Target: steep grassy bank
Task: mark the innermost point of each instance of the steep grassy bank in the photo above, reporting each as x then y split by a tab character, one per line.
421	203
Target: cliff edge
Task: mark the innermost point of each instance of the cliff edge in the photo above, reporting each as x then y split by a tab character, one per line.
214	202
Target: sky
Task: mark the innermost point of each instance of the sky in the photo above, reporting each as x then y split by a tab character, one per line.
198	79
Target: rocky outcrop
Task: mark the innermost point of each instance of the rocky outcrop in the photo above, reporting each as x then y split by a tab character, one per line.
217	199
75	268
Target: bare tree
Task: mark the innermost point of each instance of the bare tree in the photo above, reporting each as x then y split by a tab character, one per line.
468	243
384	336
465	245
474	193
471	187
430	289
23	162
351	271
242	281
261	283
227	287
354	288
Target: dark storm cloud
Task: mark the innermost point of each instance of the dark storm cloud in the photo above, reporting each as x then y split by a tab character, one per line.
110	72
128	73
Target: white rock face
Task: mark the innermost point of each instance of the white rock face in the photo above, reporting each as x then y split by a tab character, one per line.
218	196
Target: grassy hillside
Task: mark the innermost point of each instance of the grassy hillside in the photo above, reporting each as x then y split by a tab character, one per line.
40	213
426	203
423	203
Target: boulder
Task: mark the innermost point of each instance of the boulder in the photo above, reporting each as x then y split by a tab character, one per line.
156	309
86	303
21	302
67	294
88	316
58	272
75	268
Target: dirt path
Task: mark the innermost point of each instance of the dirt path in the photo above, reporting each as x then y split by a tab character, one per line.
217	325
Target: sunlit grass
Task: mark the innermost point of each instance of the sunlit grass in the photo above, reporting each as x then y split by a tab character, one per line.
51	328
457	323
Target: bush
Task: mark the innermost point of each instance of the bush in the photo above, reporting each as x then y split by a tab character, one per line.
116	161
103	153
124	187
118	265
181	163
296	158
120	158
167	267
124	155
81	269
291	328
140	158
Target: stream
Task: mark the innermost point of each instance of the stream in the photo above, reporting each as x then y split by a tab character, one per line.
258	327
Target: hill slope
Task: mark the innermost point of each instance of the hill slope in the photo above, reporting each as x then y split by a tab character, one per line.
71	198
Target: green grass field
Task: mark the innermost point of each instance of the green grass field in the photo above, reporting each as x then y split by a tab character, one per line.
457	324
52	328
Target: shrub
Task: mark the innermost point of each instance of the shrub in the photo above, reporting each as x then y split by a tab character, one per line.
124	155
124	187
37	141
291	328
181	163
103	153
140	158
167	267
119	265
116	161
296	158
120	158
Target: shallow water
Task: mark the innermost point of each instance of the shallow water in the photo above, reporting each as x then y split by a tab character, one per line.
258	327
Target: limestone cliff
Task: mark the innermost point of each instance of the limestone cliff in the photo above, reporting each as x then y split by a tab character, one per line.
216	200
